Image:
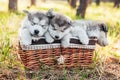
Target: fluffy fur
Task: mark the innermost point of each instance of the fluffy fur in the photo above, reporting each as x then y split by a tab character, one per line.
33	27
61	29
95	29
60	26
80	34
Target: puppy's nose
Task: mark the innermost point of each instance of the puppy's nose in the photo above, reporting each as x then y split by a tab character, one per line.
56	37
36	31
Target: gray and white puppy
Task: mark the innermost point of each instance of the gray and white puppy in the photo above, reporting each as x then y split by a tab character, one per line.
33	27
59	28
94	29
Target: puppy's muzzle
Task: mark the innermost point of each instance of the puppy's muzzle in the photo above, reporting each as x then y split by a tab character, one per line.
36	32
56	37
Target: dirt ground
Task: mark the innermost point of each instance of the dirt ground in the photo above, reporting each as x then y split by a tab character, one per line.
110	70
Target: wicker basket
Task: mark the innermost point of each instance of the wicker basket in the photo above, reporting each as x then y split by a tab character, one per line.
76	55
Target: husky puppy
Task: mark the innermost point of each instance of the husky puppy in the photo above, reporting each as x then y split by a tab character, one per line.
33	27
61	29
60	26
94	29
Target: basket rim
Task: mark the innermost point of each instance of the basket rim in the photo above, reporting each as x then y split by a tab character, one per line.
52	46
56	45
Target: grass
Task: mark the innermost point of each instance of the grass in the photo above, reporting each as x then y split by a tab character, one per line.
10	22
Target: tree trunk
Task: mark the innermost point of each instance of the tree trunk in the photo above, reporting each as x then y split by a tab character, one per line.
97	2
90	2
116	3
12	6
72	3
43	0
68	1
82	8
33	2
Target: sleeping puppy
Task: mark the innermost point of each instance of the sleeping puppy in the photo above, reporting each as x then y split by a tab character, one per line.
94	29
61	29
33	27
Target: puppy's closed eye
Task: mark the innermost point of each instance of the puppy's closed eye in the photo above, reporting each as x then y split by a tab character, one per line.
54	28
62	30
70	23
43	26
62	23
33	23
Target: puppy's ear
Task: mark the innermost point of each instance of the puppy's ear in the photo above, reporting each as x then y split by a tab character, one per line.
103	27
27	12
70	23
50	13
30	17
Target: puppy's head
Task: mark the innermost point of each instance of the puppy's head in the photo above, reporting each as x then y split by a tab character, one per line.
60	24
37	23
102	40
98	30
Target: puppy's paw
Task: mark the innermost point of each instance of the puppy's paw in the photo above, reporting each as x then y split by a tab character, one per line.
83	37
84	41
65	44
35	39
26	42
49	40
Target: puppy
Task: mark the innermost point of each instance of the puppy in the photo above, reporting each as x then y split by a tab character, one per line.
61	29
80	34
95	29
33	27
